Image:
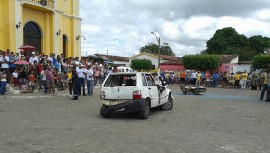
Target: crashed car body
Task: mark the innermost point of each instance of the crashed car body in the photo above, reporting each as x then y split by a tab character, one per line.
129	92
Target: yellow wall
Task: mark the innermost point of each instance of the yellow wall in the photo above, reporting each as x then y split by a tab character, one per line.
7	28
64	18
1	26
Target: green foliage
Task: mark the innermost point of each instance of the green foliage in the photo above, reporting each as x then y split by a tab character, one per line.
165	49
201	62
245	53
228	41
141	64
259	43
261	61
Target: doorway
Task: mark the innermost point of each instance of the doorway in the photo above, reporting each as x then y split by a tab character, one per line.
32	35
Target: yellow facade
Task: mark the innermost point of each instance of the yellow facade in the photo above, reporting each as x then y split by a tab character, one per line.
57	21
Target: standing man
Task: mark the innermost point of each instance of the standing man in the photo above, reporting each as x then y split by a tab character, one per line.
198	79
215	79
76	84
4	60
265	81
90	80
193	78
188	78
33	58
208	79
81	73
11	64
244	79
183	77
237	80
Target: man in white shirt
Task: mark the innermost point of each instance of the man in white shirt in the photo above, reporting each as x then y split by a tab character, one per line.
193	77
33	58
4	64
90	80
81	74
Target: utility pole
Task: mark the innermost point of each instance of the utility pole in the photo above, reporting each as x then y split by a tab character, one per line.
132	44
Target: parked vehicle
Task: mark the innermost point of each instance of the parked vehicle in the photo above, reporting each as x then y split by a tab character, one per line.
124	93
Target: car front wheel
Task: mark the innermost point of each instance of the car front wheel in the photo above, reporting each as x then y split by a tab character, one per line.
167	106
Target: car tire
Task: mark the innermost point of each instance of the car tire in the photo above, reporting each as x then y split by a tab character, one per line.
167	106
145	113
104	112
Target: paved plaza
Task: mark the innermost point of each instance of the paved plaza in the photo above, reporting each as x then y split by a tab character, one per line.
219	121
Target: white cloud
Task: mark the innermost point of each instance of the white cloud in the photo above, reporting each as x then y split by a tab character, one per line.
199	27
90	28
171	30
263	14
247	26
185	25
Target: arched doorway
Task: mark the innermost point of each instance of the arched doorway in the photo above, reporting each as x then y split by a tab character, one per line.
65	41
32	35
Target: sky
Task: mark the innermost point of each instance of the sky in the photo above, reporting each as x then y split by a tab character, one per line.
122	27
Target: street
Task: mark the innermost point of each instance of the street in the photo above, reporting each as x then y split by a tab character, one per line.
218	121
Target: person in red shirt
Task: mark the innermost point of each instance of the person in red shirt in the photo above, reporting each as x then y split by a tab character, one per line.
31	81
208	79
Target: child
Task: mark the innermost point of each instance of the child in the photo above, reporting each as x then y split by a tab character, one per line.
15	79
70	84
22	76
31	81
3	84
43	77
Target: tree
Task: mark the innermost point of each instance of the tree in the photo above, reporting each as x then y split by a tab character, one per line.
165	49
261	61
228	41
201	62
259	43
141	64
223	38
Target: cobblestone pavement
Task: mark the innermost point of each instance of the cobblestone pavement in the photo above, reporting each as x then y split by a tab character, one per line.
219	121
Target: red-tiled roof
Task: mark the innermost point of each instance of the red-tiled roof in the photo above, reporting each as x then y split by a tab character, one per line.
167	57
245	62
113	58
228	58
176	62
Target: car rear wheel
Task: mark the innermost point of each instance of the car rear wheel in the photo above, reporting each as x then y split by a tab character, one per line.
145	113
167	106
104	112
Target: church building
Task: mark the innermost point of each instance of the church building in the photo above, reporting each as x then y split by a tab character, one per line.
51	26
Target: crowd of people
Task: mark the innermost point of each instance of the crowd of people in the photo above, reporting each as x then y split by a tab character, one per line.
216	79
45	71
257	80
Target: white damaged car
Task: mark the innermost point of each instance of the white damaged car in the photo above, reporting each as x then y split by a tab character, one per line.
129	92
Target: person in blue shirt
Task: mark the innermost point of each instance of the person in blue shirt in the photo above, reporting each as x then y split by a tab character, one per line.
11	64
163	75
215	79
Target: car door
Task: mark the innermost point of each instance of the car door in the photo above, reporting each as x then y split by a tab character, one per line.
153	90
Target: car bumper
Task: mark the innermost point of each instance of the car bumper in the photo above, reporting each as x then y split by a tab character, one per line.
123	108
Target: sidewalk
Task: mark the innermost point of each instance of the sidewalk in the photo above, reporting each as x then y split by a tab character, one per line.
40	94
